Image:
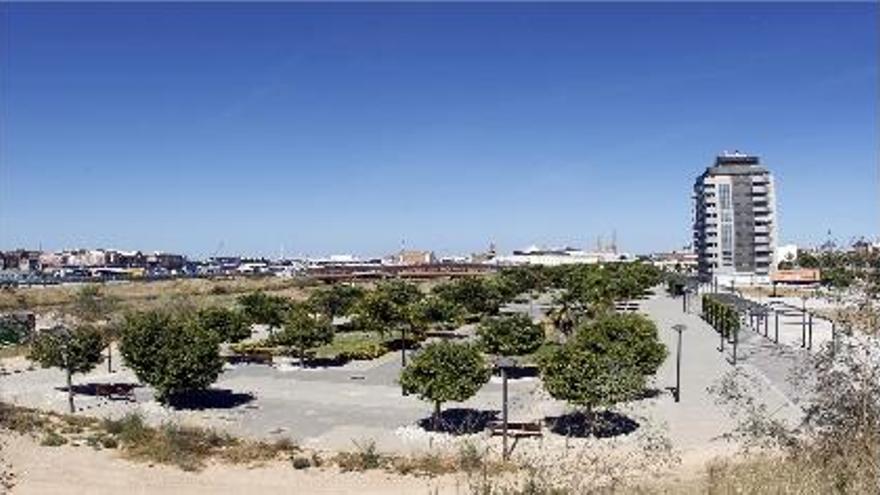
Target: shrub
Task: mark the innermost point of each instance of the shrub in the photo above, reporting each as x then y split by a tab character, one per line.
301	462
470	458
364	457
53	439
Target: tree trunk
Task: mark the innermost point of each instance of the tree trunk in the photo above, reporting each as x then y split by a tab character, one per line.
436	416
591	420
110	357
302	357
70	391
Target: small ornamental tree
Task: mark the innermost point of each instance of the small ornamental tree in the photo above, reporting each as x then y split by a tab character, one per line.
304	330
445	371
588	378
337	300
510	335
172	352
264	309
636	333
228	324
74	351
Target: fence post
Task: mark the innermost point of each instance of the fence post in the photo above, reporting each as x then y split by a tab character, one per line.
810	342
776	326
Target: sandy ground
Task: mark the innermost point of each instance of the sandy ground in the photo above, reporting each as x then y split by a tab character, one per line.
73	470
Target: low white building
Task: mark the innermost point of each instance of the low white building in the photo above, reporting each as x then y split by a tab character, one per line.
534	255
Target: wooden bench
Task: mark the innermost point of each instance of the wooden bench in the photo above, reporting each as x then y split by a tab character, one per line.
115	391
517	428
250	358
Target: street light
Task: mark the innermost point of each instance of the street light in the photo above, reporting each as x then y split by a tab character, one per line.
678	328
503	363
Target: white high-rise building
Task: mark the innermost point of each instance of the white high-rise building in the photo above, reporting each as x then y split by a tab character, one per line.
735	220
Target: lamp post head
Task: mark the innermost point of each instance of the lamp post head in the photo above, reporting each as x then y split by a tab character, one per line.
678	327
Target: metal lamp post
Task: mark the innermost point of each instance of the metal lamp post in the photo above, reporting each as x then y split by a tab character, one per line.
503	363
678	328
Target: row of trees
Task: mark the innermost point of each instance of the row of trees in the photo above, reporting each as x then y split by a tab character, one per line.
604	358
176	349
607	360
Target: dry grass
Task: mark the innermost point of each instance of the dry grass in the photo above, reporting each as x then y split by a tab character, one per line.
140	295
188	448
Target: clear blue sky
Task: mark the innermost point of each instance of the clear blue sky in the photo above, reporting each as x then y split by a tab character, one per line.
347	128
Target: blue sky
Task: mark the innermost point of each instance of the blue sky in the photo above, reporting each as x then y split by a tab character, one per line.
352	127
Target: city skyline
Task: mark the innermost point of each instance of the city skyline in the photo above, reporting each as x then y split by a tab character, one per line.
335	128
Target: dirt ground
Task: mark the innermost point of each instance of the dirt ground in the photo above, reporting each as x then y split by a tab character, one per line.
72	470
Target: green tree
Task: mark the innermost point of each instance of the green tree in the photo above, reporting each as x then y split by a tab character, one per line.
337	300
588	378
510	335
438	311
95	307
264	309
229	325
74	351
635	333
378	312
172	352
445	371
304	330
400	293
477	295
512	282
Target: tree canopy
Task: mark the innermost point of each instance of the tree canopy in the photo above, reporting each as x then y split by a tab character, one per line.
510	335
390	306
77	350
583	376
172	352
264	309
304	330
635	333
477	295
445	371
229	325
74	351
336	300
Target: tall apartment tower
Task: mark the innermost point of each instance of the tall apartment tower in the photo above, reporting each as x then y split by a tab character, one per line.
735	220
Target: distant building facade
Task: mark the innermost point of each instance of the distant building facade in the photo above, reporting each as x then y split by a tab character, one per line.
534	255
734	224
410	257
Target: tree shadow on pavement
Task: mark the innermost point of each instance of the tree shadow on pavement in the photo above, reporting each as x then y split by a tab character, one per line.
111	391
212	398
460	421
605	424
